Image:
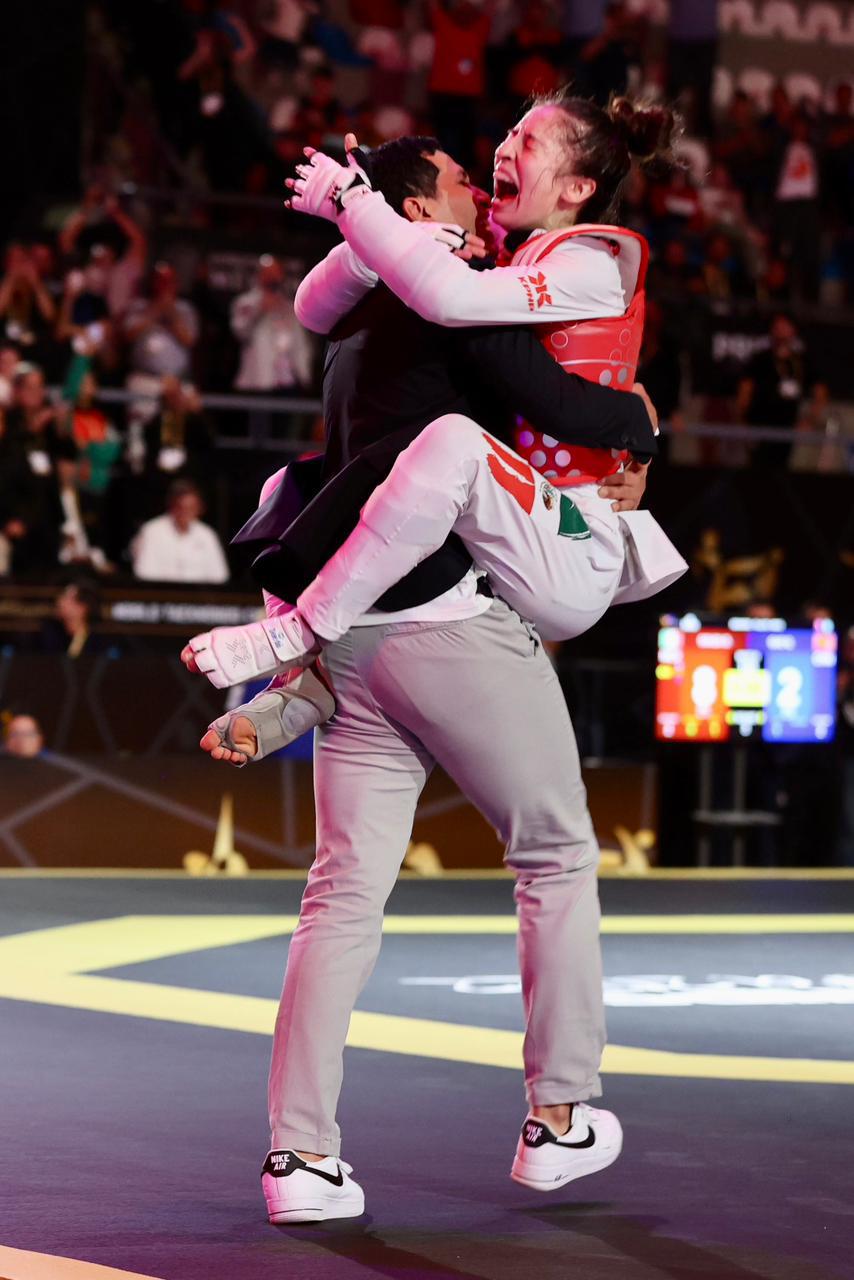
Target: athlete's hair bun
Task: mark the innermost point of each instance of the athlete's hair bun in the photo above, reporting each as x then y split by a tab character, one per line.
648	129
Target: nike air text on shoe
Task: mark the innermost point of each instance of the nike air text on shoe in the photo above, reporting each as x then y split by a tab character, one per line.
299	1190
545	1161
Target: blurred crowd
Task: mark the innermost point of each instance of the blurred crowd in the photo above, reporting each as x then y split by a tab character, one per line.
220	96
81	481
231	90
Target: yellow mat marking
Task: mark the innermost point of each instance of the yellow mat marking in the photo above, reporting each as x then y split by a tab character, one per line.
18	1264
59	966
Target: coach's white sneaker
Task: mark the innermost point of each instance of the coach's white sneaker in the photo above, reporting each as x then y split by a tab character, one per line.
299	1190
233	655
545	1161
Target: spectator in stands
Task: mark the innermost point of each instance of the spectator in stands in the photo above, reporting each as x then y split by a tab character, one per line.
675	205
722	275
838	158
27	311
276	351
162	330
79	533
29	501
178	442
773	283
84	317
660	369
457	76
76	610
691	59
742	148
721	202
282	24
603	62
780	388
10	358
22	737
177	547
320	118
96	227
672	275
797	220
97	440
777	122
535	52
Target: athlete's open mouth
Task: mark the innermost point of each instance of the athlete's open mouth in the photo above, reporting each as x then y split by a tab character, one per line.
505	189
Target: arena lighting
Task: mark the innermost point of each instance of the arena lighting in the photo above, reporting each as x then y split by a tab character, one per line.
745	678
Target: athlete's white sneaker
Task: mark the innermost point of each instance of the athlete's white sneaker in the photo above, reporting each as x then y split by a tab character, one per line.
233	655
299	1190
545	1161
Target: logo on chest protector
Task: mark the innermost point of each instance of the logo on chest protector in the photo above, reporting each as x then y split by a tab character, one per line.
550	495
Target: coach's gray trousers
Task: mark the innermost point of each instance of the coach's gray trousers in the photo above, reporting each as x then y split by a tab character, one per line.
481	699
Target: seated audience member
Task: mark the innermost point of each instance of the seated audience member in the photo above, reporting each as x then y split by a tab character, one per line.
79	525
780	389
22	737
76	610
276	351
30	514
27	311
178	442
162	331
97	440
177	547
722	275
10	358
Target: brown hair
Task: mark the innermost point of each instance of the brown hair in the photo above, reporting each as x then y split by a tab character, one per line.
603	142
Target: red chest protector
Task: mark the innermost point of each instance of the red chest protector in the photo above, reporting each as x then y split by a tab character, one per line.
604	350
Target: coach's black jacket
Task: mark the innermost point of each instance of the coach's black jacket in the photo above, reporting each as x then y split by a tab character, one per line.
387	374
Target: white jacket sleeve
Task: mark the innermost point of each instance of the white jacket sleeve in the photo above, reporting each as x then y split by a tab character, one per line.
580	281
331	289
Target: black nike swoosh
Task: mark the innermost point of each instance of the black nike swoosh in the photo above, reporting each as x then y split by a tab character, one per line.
337	1180
588	1141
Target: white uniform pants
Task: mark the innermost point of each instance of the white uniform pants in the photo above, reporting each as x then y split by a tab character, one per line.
557	557
480	698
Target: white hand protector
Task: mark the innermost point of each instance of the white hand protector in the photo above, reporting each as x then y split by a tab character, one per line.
281	713
446	233
324	187
232	655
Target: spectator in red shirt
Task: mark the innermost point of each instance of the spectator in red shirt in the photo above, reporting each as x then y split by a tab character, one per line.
796	213
536	43
457	79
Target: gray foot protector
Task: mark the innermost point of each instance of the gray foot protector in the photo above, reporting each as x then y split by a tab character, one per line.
281	713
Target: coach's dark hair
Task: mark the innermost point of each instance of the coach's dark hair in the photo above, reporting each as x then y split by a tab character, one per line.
603	141
401	168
